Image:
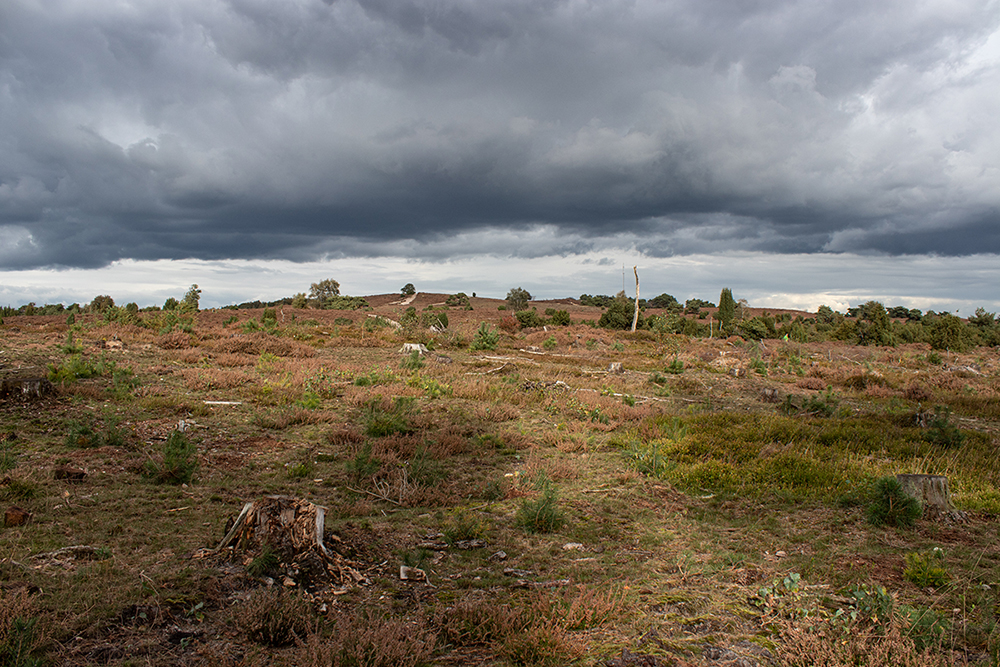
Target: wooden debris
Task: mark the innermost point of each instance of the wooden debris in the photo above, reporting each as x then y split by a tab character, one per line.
411	573
292	529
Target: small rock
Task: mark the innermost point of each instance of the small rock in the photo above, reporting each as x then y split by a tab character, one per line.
572	546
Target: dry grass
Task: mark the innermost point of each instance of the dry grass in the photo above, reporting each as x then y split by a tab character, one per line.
680	509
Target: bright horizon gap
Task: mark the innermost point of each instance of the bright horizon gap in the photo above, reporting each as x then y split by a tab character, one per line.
798	282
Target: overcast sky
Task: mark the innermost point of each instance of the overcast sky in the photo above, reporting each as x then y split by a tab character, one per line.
800	152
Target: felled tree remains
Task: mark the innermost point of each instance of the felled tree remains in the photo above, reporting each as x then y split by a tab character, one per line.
932	492
289	532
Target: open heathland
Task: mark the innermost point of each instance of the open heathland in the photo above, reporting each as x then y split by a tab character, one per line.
293	486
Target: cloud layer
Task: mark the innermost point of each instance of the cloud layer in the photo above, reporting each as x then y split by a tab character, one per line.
305	129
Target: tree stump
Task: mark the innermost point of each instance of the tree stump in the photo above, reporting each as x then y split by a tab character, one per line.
932	492
26	388
291	529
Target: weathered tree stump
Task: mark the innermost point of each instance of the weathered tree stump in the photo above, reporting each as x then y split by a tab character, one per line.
932	492
15	516
69	473
293	530
28	388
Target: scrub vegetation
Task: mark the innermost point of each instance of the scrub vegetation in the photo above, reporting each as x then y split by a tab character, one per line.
556	492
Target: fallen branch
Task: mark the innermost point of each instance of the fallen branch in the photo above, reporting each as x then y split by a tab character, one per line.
376	495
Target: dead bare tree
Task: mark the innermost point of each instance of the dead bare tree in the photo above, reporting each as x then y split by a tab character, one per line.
635	317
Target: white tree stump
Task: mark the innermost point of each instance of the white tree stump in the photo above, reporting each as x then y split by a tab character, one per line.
932	492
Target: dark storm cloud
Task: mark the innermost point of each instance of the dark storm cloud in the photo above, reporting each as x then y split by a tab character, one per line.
307	129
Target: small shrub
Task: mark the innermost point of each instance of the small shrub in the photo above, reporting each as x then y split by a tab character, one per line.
464	525
265	563
179	462
123	383
82	436
873	605
926	569
380	421
310	400
363	465
20	635
550	343
486	338
18	489
8	457
369	641
79	367
676	367
414	362
509	324
927	628
891	505
941	431
275	617
541	515
437	319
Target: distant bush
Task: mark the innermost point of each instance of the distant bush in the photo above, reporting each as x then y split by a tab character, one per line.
599	300
528	318
619	315
517	299
345	303
561	318
460	299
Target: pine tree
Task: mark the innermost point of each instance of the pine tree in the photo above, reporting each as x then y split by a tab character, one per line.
727	310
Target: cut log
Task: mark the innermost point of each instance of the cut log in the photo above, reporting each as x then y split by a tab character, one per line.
932	492
293	530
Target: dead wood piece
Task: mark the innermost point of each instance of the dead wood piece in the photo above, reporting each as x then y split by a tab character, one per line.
293	529
555	583
75	552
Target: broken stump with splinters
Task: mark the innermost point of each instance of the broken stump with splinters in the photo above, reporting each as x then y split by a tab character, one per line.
293	530
932	492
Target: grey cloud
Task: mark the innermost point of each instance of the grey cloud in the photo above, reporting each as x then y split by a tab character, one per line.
254	129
